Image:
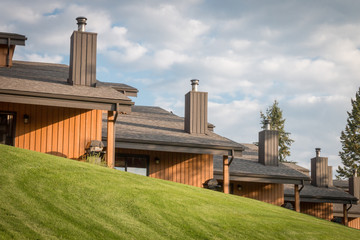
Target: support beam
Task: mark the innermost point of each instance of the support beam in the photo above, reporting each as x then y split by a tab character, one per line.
226	184
345	215
297	198
110	150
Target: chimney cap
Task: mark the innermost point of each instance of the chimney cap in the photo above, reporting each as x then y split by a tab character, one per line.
81	22
317	150
267	124
194	84
354	172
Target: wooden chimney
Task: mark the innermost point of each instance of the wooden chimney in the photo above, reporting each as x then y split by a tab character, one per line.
268	146
320	171
196	106
82	70
354	185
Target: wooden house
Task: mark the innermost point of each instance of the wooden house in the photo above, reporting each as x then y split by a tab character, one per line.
154	142
54	108
320	197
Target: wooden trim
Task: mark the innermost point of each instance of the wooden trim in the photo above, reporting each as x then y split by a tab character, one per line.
258	178
345	215
226	186
297	198
110	150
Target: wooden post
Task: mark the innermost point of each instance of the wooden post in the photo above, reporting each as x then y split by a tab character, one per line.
345	214
226	184
110	150
297	198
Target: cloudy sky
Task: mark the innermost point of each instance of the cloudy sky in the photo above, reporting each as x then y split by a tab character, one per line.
246	54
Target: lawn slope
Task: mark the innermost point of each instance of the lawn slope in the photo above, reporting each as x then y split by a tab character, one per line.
48	197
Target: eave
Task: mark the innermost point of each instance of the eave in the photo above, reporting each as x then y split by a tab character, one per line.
321	199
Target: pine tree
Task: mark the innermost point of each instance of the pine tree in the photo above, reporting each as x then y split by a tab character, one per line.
350	141
274	114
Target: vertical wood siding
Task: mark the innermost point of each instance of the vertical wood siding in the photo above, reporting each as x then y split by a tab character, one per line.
266	192
55	130
320	210
354	223
186	168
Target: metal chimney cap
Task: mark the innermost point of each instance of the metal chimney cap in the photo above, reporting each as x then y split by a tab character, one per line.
317	150
194	84
267	124
81	22
354	172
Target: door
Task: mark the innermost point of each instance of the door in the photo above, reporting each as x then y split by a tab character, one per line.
7	128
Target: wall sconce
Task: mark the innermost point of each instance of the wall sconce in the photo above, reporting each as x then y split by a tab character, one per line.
26	119
239	187
157	160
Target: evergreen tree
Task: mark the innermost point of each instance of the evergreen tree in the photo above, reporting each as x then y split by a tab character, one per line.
350	141
274	114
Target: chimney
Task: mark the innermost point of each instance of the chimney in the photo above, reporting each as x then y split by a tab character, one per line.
8	41
82	70
320	171
268	146
196	110
354	185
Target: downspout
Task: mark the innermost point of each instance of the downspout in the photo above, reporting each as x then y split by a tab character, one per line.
302	185
116	112
8	53
232	157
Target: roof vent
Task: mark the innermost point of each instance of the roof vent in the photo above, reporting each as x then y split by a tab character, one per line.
317	150
81	22
267	124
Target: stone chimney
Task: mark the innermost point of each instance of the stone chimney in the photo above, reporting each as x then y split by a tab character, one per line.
8	41
321	173
196	106
354	185
82	70
268	146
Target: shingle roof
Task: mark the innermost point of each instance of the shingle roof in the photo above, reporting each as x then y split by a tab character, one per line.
353	212
320	194
343	184
156	125
50	79
248	165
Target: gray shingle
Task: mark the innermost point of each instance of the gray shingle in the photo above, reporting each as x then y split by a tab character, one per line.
154	124
47	78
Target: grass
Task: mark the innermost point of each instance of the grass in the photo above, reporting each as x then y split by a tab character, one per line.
48	197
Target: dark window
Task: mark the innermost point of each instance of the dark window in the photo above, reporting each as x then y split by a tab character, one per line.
7	128
138	164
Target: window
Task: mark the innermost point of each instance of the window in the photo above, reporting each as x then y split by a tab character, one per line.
7	128
138	164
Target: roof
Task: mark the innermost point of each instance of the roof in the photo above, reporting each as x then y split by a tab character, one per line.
120	87
247	168
154	128
354	211
343	184
311	193
48	82
297	168
15	39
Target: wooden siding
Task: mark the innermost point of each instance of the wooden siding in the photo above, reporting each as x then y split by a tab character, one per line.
186	168
55	130
354	223
320	210
266	192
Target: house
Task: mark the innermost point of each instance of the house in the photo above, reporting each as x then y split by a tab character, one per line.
259	175
55	108
320	198
154	142
352	186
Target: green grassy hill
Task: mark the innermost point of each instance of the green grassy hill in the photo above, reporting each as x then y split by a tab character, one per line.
47	197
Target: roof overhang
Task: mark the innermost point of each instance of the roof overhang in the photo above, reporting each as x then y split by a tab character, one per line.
175	147
320	199
65	101
244	177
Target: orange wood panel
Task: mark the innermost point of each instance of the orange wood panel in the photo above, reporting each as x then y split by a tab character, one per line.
66	131
33	121
27	128
76	133
320	210
354	223
50	113
61	119
98	124
20	126
55	132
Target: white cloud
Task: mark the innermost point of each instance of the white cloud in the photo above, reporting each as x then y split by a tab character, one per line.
40	58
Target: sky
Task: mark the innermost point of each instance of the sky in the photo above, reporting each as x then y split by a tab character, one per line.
246	54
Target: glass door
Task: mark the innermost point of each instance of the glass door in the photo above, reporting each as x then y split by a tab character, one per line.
7	128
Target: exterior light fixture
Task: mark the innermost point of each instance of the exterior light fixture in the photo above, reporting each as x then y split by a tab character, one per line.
26	119
157	160
239	187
